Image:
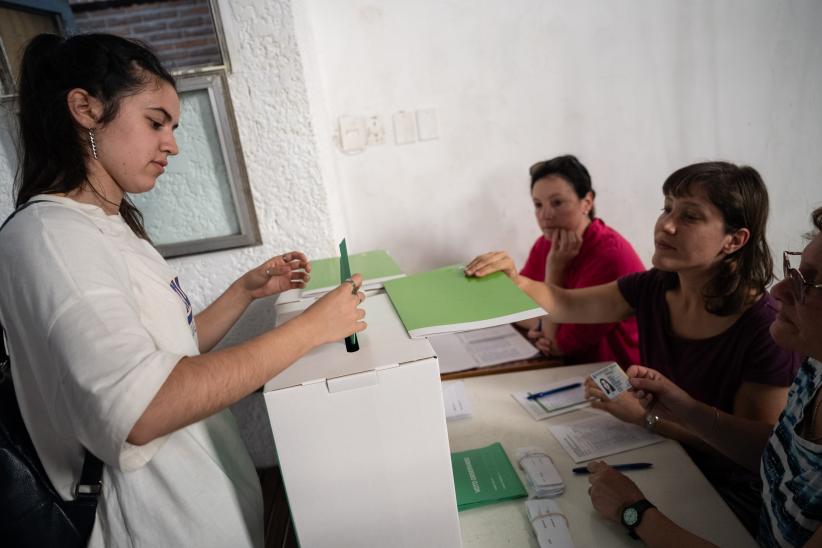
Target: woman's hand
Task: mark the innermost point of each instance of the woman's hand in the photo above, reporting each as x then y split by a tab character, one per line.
565	245
287	271
611	491
543	343
653	389
625	406
336	315
489	263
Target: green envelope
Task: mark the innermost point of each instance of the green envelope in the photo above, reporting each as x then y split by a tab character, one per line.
485	476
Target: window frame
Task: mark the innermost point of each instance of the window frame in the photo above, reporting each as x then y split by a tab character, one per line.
216	83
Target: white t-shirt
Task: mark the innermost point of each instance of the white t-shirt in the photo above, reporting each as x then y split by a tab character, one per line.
95	322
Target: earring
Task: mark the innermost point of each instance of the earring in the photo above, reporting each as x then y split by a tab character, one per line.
93	144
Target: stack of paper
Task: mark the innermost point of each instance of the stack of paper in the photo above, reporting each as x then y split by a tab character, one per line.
596	434
549	523
554	404
447	301
375	266
457	405
484	476
543	477
481	348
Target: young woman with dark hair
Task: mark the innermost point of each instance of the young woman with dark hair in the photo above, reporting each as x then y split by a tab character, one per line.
703	313
576	249
789	456
107	354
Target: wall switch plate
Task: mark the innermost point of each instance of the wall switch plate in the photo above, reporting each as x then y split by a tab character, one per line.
376	130
353	133
427	124
405	127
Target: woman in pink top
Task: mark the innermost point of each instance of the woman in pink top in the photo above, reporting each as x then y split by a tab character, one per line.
575	250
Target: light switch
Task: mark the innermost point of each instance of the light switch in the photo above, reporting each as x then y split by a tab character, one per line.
405	127
353	133
427	124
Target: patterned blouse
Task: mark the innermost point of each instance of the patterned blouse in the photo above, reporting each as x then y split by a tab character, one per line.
792	470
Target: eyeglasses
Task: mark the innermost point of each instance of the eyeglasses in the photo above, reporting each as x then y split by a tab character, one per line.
798	283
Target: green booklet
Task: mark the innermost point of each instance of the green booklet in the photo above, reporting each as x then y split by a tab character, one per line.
484	476
447	301
375	267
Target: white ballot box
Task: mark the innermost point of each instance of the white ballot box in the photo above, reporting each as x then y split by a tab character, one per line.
362	442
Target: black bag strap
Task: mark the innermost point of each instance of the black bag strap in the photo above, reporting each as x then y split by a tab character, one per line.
90	485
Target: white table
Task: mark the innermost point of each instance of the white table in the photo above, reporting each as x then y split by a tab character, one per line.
674	484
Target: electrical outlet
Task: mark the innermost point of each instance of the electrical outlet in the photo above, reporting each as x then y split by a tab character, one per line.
376	130
353	133
405	127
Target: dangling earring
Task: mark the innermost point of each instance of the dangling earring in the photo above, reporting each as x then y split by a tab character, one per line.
93	144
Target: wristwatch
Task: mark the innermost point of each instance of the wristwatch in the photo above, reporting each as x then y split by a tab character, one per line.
631	515
651	421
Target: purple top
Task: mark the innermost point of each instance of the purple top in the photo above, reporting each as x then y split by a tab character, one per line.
710	370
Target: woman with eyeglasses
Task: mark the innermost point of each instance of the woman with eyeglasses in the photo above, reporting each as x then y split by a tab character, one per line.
702	312
788	457
576	249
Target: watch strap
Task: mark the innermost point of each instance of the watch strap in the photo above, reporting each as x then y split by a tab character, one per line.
639	507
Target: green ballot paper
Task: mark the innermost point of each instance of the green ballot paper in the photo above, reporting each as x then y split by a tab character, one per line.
351	343
484	476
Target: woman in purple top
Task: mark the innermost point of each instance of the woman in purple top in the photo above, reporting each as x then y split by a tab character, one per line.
702	312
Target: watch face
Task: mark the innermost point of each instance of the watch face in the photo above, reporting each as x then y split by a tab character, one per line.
630	516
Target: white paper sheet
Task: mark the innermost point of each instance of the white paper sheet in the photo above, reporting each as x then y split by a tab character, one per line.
455	399
596	434
481	348
555	404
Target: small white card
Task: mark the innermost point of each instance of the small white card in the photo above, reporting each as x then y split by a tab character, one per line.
455	399
612	380
549	523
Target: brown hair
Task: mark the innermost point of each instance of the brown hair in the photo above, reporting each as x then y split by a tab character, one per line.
740	195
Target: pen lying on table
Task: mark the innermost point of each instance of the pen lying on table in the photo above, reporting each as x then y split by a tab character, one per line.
553	391
628	466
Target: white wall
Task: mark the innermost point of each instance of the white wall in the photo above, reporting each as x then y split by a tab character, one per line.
635	88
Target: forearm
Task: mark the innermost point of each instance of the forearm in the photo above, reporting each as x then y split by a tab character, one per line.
215	321
200	386
740	439
598	304
679	433
656	530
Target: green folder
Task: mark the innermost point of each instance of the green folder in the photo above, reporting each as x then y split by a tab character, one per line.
447	301
375	267
485	476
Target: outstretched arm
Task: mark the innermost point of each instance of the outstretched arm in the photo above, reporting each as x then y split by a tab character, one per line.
199	386
278	274
598	304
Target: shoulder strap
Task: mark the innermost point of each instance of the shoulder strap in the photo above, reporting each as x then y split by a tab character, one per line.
90	484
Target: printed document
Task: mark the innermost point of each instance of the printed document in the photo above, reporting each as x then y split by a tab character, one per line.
481	348
595	434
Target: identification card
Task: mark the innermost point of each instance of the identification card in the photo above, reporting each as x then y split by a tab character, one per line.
612	380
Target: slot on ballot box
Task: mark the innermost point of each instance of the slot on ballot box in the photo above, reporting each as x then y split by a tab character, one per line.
362	442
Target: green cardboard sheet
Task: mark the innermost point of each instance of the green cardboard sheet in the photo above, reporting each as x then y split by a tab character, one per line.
447	301
484	476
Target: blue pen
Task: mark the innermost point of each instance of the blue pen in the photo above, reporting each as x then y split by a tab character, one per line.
553	391
628	466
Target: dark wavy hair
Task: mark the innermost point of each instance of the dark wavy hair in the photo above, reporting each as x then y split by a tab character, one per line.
53	148
740	195
816	217
570	169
